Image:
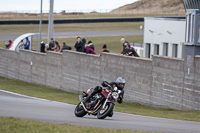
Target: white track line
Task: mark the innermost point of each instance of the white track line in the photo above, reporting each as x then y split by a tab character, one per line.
13	93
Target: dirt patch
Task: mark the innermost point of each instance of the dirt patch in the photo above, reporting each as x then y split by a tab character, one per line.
153	7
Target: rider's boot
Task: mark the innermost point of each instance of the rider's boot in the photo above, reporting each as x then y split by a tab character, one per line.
96	90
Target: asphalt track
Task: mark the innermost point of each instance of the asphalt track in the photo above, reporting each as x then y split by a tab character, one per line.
24	107
5	37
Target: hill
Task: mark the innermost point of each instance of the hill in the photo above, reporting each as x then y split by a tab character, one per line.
152	7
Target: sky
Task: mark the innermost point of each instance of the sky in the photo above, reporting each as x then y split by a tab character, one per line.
59	5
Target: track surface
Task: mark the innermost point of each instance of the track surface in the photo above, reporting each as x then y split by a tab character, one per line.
24	107
4	37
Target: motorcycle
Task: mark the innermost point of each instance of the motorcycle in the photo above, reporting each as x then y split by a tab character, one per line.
101	104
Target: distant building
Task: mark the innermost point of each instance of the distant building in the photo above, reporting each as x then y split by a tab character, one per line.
164	36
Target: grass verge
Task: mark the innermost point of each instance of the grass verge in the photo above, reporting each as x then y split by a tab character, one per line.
14	125
72	98
74	27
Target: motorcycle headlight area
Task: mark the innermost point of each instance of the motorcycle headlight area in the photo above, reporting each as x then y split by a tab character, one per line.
115	95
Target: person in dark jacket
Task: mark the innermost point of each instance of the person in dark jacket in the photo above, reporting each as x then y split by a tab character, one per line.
83	49
78	44
42	47
104	49
129	51
65	47
124	43
90	44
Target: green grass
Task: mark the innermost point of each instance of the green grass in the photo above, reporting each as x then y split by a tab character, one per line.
75	27
72	98
14	125
113	42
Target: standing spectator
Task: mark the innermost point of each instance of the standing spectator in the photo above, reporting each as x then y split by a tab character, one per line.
91	45
89	50
27	45
130	51
78	44
54	45
124	43
65	47
83	49
8	44
42	48
104	49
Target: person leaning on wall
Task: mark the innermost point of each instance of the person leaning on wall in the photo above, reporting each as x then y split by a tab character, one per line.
104	49
65	47
130	51
124	43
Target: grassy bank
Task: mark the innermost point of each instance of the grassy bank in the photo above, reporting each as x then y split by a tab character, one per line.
75	27
72	98
13	125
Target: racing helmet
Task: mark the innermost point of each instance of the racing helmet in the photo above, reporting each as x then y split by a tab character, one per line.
120	82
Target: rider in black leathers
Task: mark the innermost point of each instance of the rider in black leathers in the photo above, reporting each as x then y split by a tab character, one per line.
119	83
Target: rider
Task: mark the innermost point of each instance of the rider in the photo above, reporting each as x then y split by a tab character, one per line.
119	83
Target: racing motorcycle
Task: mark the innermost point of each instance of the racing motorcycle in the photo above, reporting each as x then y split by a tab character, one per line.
100	101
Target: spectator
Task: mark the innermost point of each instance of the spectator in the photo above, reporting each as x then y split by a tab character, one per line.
124	43
54	45
47	47
42	46
21	44
83	49
104	49
65	47
8	44
78	44
89	50
129	51
27	45
90	44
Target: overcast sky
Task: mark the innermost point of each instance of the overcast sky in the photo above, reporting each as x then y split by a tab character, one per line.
76	5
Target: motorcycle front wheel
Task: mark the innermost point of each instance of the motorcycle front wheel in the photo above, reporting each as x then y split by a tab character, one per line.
106	111
79	111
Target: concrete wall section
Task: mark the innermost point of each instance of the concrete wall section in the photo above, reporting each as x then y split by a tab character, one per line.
13	65
25	59
167	84
53	69
38	68
191	90
3	62
70	71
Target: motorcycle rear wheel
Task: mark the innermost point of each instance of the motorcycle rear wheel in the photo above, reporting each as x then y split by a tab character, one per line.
103	113
79	111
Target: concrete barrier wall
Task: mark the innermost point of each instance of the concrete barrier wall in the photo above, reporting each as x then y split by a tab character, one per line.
167	84
160	81
53	69
191	86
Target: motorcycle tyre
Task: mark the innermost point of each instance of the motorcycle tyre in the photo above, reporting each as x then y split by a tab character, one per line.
79	111
107	112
